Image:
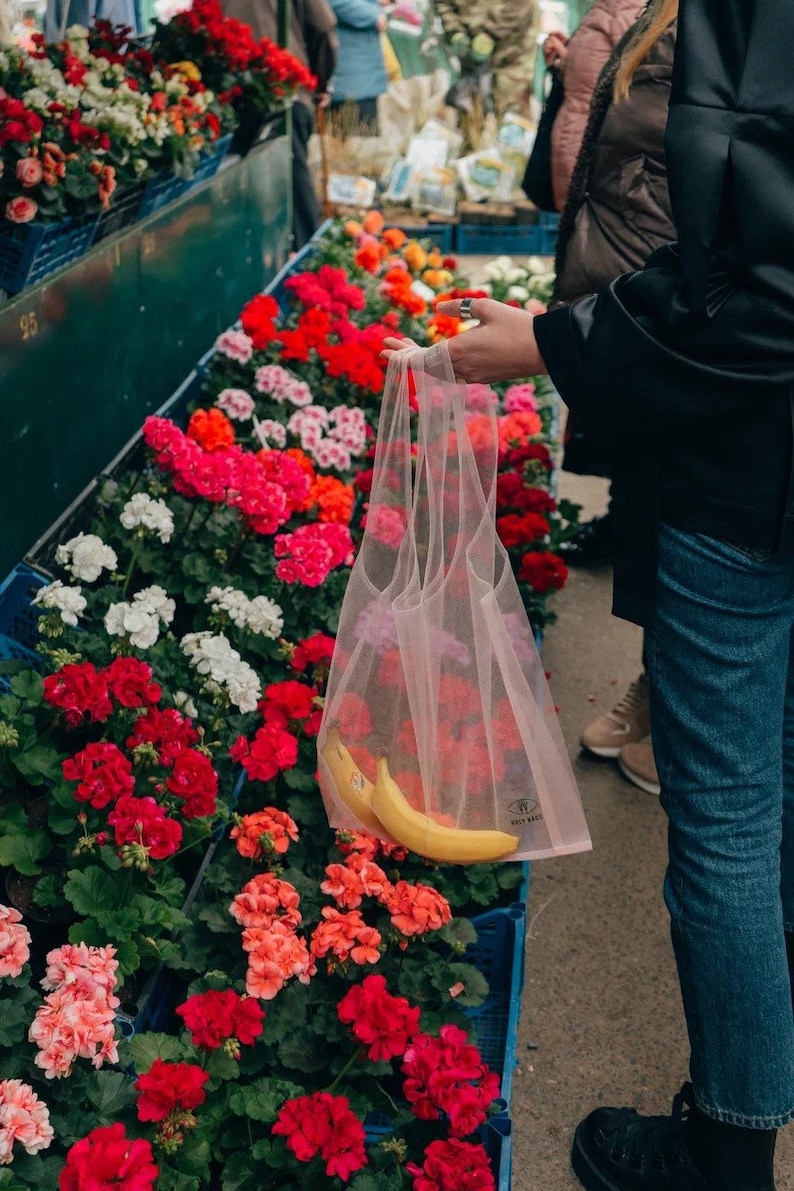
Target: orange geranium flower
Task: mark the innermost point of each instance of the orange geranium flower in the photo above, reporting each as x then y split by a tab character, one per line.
394	238
373	223
443	326
264	899
518	427
349	883
345	935
353	228
435	259
417	909
333	499
269	830
415	256
274	957
368	258
211	429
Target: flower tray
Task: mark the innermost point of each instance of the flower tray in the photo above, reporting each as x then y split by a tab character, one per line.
441	235
124	211
19	619
31	251
161	190
550	226
483	239
209	165
499	955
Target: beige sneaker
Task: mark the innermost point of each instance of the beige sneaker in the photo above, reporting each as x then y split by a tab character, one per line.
628	722
637	764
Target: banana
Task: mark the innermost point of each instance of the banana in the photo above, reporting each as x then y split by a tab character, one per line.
351	785
423	835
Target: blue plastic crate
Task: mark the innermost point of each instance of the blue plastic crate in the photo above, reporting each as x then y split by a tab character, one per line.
440	235
550	230
480	239
210	163
31	251
124	211
161	190
19	619
499	955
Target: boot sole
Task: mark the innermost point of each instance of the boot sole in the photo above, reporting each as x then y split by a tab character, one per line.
588	1175
640	782
607	750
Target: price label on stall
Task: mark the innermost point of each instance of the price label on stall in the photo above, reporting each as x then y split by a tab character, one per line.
29	325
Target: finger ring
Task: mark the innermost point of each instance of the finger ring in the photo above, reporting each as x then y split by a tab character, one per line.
465	308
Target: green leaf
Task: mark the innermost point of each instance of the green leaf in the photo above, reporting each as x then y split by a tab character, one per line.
194	1159
299	1052
475	986
241	1173
145	1048
176	1180
28	686
23	852
459	933
38	762
220	1065
14	1022
261	1099
370	1180
94	889
110	1093
48	892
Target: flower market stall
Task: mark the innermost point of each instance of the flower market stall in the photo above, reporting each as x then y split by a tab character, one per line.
202	985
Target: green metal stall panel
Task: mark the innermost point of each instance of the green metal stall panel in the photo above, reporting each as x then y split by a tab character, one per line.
85	355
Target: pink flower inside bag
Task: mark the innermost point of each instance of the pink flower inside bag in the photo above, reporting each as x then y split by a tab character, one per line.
439	732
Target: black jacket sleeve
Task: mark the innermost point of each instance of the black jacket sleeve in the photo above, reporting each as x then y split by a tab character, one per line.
706	330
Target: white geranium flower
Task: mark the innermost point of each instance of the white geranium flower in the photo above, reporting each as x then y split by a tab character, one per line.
185	703
265	617
134	622
517	293
86	556
69	601
145	512
496	269
154	600
243	687
227	599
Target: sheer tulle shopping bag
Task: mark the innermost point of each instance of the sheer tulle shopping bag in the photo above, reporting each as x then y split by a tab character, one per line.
438	731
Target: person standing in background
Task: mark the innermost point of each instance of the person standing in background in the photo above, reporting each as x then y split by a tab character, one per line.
618	212
361	71
312	39
579	61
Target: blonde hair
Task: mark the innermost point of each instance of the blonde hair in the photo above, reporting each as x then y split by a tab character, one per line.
659	17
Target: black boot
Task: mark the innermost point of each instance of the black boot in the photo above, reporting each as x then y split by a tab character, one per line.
591	545
615	1149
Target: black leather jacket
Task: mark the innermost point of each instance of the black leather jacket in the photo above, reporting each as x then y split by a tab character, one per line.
687	367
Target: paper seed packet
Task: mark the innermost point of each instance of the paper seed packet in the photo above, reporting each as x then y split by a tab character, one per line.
486	177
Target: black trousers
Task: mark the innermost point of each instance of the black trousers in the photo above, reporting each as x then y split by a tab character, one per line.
305	207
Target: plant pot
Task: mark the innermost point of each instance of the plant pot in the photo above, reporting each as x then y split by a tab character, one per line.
49	928
31	251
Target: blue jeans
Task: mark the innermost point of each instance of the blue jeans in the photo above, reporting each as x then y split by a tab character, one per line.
722	709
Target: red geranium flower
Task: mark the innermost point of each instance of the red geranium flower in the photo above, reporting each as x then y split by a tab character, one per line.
218	1017
453	1166
543	571
287	701
168	1088
258	320
168	730
384	1023
520	530
323	1124
103	772
272	750
130	682
447	1075
194	779
79	690
143	827
313	651
107	1158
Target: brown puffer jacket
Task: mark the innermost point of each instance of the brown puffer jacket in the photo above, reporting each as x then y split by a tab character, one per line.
588	51
618	211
